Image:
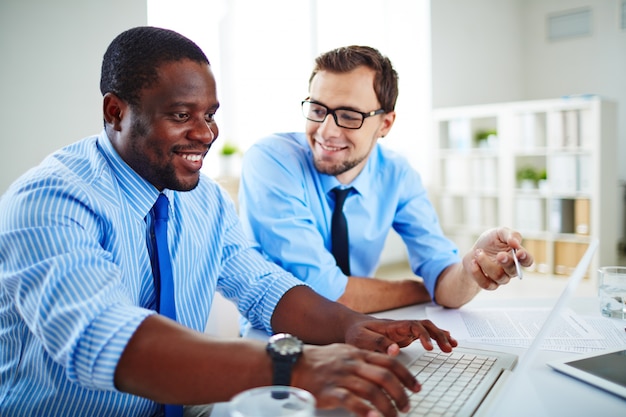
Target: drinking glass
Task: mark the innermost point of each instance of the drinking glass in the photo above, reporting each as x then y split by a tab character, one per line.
273	401
612	291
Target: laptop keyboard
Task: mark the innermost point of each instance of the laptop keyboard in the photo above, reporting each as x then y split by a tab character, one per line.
448	381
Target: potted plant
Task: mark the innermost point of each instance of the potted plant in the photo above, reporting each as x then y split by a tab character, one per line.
229	149
486	138
229	157
542	180
527	177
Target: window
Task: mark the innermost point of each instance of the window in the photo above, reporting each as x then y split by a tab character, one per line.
263	52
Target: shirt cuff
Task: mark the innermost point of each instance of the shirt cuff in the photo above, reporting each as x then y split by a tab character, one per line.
276	290
96	357
431	284
336	287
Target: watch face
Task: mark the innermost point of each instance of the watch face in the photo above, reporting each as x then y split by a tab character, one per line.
286	344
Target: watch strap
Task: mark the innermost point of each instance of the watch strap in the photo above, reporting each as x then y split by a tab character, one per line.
282	371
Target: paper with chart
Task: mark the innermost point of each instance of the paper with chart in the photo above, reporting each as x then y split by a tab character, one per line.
518	326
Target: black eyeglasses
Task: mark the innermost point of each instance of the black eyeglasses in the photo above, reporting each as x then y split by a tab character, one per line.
346	118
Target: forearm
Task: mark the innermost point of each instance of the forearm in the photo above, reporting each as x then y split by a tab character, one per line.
313	318
455	287
171	364
368	295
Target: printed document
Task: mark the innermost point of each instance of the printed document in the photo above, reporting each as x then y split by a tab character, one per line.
518	327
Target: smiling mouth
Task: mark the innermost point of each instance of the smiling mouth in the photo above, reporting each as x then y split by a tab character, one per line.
193	157
330	148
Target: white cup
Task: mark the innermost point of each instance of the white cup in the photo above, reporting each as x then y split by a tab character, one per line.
612	291
273	401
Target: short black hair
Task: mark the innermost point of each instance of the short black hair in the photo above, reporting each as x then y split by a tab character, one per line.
130	62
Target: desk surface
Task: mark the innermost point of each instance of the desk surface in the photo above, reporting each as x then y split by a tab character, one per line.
541	391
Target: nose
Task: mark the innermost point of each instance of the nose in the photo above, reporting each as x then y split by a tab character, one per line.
329	125
203	131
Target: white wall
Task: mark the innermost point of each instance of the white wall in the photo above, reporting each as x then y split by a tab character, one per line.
476	52
51	55
488	51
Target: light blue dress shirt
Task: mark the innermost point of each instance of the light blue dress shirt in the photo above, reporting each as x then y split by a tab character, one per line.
76	282
287	205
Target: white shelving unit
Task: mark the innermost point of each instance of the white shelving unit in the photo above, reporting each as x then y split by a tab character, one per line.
572	141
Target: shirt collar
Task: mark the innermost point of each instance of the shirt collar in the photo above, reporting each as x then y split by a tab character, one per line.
140	194
362	183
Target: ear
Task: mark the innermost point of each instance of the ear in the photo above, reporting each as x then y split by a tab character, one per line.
114	109
388	119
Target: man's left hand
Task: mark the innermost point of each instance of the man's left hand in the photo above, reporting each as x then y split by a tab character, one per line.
389	336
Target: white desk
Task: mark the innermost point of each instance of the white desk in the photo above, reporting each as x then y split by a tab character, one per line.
542	392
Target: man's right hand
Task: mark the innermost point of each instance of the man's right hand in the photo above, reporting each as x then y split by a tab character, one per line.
360	381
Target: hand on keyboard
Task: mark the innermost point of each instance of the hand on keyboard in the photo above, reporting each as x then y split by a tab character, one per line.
389	336
342	376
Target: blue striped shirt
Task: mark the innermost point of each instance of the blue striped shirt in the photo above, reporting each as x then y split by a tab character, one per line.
76	281
278	176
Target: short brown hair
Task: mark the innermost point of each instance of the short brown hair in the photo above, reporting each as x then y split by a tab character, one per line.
347	58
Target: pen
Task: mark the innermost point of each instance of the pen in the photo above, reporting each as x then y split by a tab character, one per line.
518	268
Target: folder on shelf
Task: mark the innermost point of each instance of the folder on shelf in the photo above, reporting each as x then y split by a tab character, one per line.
566	256
584	172
533	131
582	207
555	128
529	213
585	128
563	174
562	215
537	248
571	131
460	133
455	173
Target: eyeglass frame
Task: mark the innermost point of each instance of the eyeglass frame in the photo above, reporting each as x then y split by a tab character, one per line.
330	111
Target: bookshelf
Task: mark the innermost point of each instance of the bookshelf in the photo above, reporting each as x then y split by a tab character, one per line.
547	168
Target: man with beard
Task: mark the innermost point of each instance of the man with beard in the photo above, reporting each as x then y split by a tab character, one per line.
104	293
289	189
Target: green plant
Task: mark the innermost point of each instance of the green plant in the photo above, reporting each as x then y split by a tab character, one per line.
542	175
527	173
229	148
483	135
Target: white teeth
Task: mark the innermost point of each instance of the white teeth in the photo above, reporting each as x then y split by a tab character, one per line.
329	148
192	157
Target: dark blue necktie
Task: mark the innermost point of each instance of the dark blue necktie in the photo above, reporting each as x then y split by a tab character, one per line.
162	271
339	231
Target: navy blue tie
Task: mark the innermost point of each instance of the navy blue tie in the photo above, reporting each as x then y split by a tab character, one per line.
162	271
339	231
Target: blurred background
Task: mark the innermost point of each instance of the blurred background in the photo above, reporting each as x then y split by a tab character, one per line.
447	53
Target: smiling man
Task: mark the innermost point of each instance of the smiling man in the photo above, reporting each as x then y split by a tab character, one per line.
289	193
112	249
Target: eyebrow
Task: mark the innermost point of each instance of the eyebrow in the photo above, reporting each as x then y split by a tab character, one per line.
175	104
336	108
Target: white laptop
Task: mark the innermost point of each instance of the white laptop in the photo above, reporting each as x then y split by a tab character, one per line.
490	380
481	379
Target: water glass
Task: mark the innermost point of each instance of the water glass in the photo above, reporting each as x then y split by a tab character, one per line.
612	291
273	401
